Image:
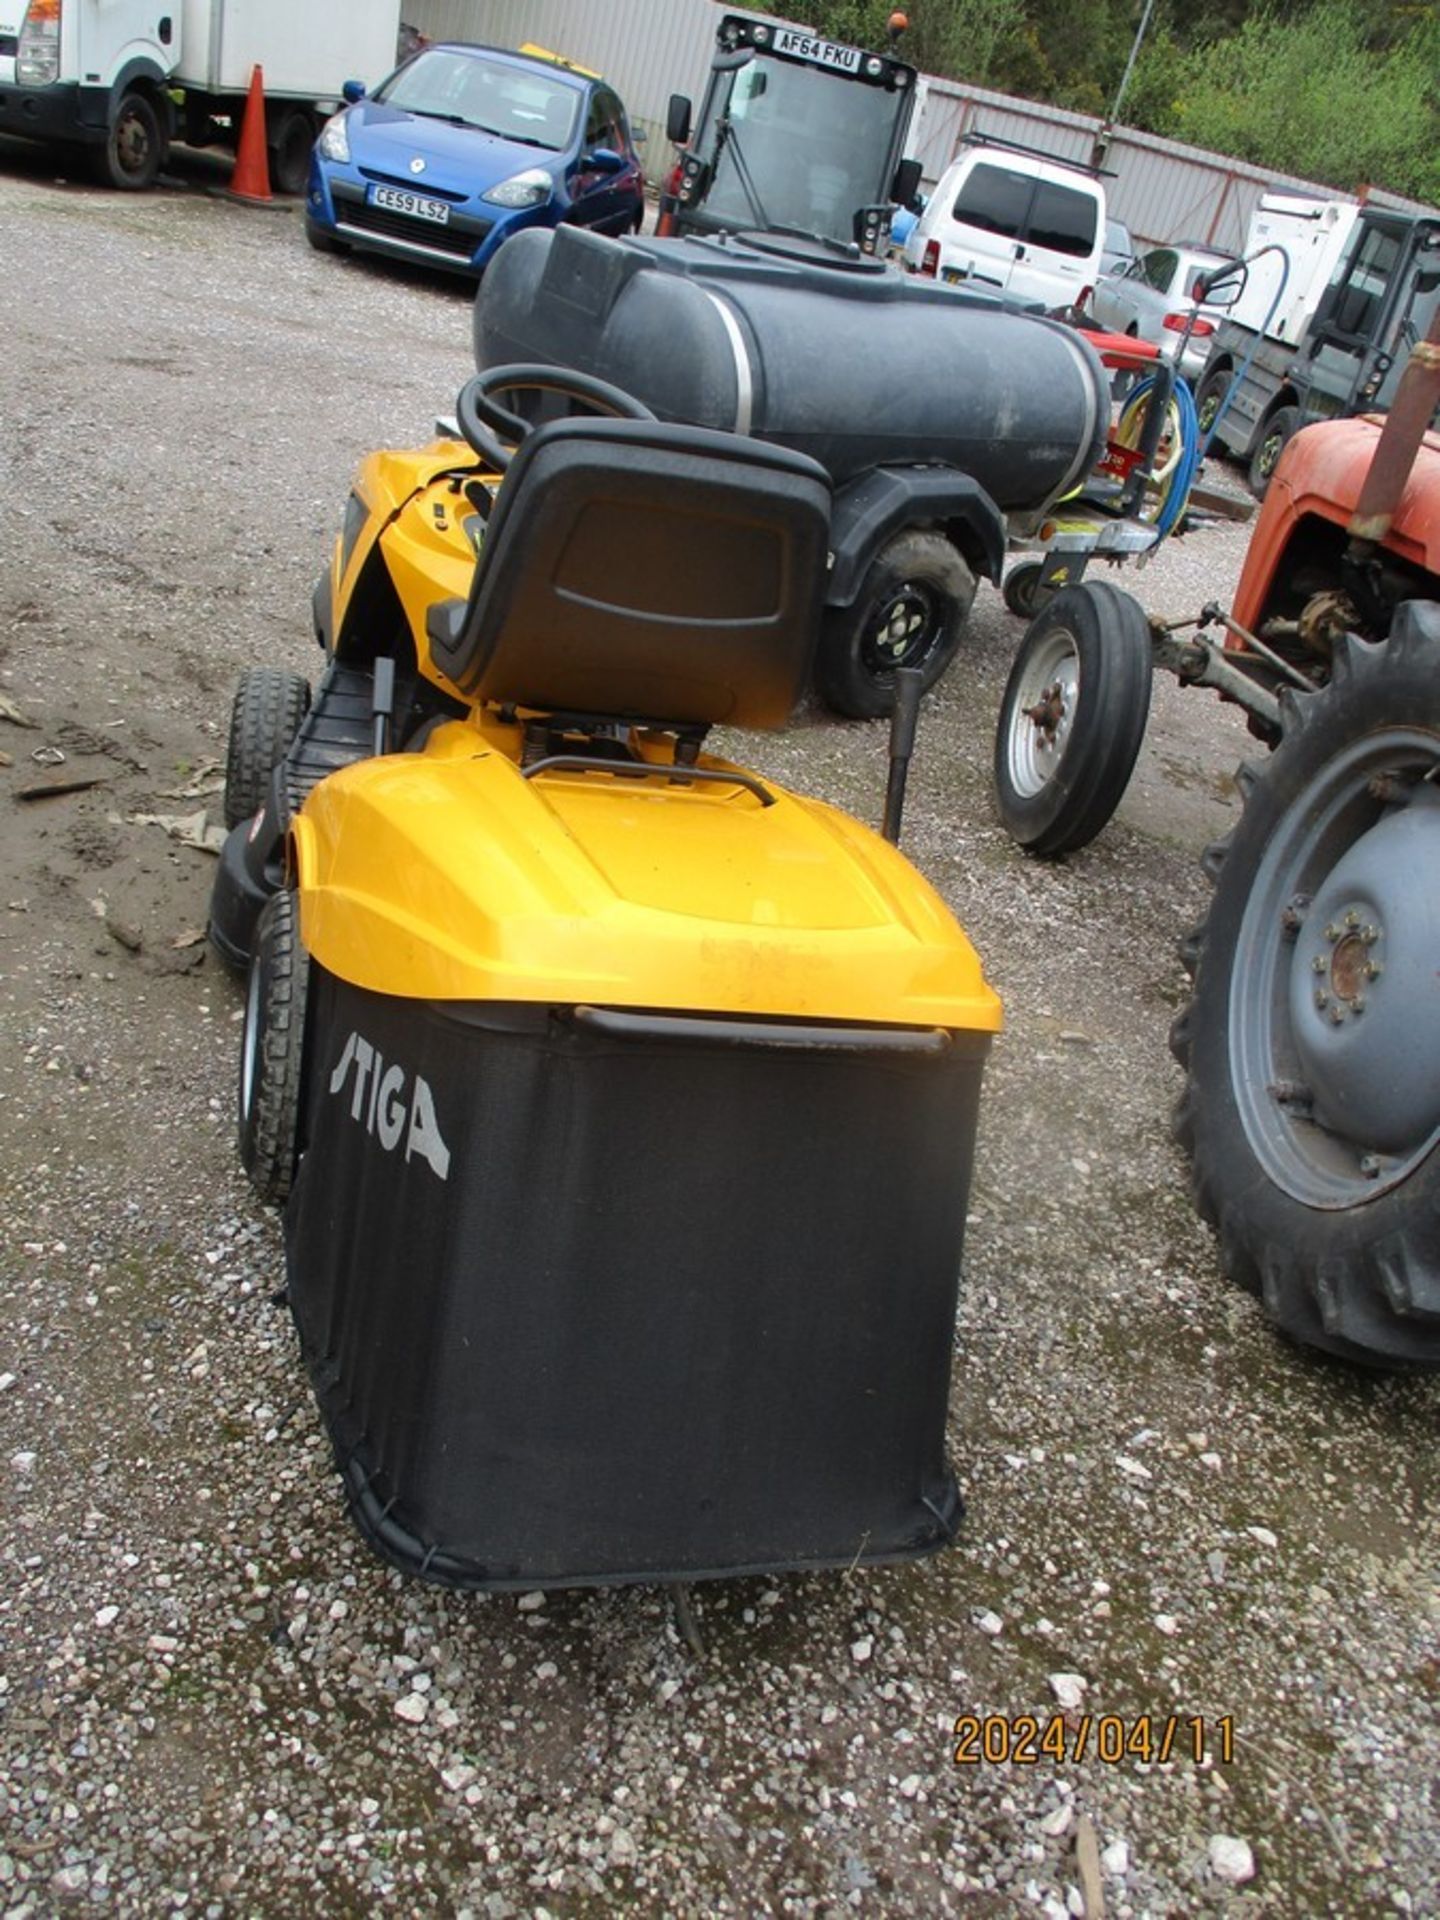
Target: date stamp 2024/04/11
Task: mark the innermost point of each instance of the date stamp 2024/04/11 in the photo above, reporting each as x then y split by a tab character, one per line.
997	1739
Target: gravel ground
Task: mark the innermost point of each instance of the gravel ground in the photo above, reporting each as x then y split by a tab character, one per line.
214	1699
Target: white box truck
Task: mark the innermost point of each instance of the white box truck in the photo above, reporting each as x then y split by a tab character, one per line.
123	78
1313	233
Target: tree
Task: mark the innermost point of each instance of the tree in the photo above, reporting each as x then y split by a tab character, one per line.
1324	91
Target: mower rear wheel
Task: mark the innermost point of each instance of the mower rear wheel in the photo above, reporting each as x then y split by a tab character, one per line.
265	717
910	612
1073	717
272	1049
1311	1109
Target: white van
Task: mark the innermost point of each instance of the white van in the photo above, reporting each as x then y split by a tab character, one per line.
1009	218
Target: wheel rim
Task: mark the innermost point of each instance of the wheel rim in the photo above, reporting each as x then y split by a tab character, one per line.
1333	1031
1208	408
902	632
1042	714
1270	452
132	143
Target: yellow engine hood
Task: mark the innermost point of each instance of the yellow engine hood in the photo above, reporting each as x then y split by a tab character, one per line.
448	875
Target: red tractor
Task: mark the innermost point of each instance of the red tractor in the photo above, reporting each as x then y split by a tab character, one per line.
1311	1041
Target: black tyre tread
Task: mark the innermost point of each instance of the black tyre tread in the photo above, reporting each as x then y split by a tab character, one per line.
841	679
270	1131
1374	1298
1096	768
265	716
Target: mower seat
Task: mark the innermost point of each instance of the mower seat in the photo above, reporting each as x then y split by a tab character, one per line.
635	570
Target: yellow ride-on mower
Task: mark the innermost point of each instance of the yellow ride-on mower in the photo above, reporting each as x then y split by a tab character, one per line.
621	1102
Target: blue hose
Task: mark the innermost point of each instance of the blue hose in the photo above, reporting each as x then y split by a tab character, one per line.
1181	478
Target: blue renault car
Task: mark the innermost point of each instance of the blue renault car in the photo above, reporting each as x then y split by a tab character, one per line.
463	146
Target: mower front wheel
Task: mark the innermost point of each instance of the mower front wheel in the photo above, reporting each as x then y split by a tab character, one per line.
910	612
1073	717
272	1049
265	717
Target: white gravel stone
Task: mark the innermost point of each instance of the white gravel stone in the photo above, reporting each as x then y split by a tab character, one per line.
1231	1859
412	1707
1069	1688
1115	1859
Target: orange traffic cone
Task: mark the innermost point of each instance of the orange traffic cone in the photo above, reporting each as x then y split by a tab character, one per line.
251	178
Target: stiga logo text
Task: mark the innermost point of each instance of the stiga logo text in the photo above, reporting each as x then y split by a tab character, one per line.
391	1106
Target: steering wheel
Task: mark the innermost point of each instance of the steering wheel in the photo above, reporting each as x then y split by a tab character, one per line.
483	421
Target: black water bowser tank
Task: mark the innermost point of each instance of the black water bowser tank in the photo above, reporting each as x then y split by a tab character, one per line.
846	359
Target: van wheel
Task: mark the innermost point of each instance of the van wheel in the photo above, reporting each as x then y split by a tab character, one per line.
134	148
910	612
272	1051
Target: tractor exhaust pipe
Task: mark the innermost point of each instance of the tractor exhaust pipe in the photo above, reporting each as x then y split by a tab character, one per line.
1409	419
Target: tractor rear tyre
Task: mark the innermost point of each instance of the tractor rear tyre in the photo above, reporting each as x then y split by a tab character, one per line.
272	1049
910	612
1311	1109
1073	717
265	717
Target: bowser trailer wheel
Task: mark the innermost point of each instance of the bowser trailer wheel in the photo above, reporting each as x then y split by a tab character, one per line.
1072	718
265	717
910	612
1311	1109
272	1048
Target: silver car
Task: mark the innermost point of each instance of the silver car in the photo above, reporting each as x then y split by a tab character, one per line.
1152	299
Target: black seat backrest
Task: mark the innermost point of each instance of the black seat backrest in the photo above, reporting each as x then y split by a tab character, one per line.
634	570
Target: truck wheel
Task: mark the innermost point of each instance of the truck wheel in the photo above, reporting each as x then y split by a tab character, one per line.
265	717
1311	1109
1021	591
909	612
1209	397
1274	437
290	134
272	1050
1072	717
134	148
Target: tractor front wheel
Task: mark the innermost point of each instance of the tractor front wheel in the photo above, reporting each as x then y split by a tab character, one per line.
1073	717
